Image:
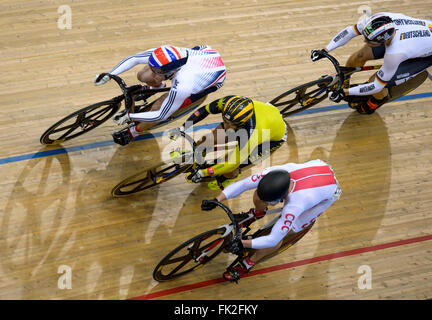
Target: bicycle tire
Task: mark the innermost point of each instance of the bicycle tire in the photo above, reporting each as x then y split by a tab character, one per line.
87	119
289	104
194	250
150	177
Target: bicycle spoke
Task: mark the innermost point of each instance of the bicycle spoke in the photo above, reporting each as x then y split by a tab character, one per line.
181	265
171	261
74	125
68	132
94	117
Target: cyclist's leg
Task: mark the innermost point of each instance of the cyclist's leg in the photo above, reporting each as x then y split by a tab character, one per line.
408	76
409	70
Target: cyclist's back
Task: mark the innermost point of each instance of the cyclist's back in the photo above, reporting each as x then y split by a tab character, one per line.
268	117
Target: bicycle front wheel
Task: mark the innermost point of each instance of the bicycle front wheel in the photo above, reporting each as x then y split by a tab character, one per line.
150	177
302	97
191	255
80	122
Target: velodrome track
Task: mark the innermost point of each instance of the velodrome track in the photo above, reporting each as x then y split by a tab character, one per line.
55	203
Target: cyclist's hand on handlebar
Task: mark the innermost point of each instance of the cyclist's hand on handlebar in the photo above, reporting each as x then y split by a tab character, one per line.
235	246
337	96
175	133
206	205
317	54
101	79
195	176
121	117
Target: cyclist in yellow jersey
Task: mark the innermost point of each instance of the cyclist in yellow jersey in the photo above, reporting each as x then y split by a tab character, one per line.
258	128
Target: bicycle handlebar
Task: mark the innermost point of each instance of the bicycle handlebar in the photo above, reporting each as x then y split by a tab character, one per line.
123	87
227	211
337	67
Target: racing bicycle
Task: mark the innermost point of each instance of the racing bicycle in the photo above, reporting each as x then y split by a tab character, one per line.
186	159
311	93
136	99
201	249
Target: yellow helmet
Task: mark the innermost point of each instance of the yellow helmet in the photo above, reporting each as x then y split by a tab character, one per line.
238	110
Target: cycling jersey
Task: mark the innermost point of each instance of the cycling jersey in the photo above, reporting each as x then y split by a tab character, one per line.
204	69
314	189
266	125
413	39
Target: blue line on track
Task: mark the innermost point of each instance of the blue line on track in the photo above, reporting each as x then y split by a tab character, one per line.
99	144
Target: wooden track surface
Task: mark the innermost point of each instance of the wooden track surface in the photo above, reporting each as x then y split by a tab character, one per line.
57	210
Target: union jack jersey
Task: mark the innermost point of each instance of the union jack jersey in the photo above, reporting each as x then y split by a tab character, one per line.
203	70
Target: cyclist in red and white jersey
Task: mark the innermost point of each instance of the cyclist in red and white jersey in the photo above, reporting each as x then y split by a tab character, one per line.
404	42
306	190
194	73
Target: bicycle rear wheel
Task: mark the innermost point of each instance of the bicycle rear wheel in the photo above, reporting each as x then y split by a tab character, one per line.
191	255
151	177
302	97
80	122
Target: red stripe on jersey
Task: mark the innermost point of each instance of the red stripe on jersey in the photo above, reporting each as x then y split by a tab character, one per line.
312	177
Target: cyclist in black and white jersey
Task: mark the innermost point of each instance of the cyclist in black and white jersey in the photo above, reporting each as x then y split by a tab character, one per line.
404	42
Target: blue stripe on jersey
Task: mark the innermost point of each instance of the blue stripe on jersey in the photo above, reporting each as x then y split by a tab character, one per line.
164	111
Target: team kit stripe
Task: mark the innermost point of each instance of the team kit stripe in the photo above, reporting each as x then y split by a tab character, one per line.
382	82
356	30
314	181
171	99
312	177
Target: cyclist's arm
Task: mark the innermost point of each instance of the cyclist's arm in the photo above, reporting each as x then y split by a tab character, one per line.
343	37
279	230
132	61
202	113
237	188
172	103
382	77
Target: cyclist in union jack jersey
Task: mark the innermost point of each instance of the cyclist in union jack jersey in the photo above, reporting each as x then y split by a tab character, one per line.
194	73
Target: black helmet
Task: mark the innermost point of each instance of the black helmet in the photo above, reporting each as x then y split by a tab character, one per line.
274	186
379	28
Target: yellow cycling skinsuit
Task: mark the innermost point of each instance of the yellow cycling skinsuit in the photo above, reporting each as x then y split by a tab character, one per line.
263	133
